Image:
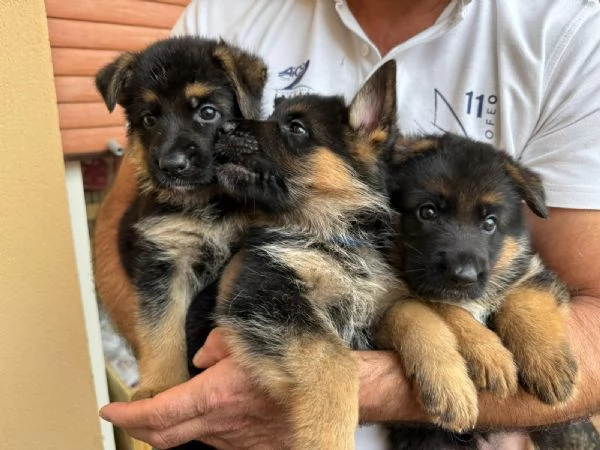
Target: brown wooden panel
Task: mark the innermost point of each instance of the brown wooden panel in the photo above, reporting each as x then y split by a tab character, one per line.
88	115
75	61
83	141
76	89
103	36
127	12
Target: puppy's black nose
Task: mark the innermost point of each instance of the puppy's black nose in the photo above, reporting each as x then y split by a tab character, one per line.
227	128
463	274
174	163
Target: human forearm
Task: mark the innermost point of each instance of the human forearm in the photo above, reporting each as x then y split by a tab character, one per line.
386	395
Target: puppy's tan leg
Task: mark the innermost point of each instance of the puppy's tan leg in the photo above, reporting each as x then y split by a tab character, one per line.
491	365
316	379
429	354
533	327
114	287
162	350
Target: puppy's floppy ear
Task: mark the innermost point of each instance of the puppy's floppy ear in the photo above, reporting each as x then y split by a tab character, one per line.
374	106
530	187
111	80
247	73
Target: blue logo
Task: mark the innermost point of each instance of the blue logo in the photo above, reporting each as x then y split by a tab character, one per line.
294	73
292	76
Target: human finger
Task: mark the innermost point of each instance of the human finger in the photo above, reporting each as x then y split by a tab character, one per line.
173	406
214	350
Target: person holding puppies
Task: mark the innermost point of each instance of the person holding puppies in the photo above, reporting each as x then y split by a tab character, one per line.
523	77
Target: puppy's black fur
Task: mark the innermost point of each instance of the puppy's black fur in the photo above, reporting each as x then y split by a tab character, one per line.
177	235
463	249
460	200
308	284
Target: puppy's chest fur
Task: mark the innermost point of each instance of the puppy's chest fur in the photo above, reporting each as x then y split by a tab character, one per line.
176	254
345	280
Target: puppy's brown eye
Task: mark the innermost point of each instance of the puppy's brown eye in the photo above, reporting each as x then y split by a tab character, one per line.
149	121
297	127
489	224
427	212
209	113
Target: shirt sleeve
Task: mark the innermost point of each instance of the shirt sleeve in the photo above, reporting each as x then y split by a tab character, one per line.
565	147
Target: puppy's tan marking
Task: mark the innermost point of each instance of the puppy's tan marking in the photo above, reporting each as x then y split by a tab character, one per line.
423	145
198	90
230	274
532	326
510	250
162	349
378	136
491	198
330	175
137	152
317	379
363	151
491	365
150	97
429	354
407	148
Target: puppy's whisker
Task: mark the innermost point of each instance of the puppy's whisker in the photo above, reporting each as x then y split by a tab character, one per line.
413	248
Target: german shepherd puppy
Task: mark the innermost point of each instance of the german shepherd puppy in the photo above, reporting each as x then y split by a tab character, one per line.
307	284
177	235
464	251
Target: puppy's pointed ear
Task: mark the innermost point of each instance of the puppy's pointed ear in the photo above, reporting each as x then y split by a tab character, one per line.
111	80
248	75
374	106
529	185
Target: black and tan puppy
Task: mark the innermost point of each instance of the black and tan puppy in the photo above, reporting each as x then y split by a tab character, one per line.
307	285
176	236
463	248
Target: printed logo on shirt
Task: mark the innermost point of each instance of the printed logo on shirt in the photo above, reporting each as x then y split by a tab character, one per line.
480	106
293	76
445	118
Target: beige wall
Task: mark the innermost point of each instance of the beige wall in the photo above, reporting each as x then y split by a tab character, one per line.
46	391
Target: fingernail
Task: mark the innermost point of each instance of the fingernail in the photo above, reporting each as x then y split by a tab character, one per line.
101	413
197	359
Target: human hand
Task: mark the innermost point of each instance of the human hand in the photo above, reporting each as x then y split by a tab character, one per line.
220	407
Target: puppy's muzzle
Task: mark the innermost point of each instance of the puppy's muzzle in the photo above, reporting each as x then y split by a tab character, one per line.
176	163
182	158
462	270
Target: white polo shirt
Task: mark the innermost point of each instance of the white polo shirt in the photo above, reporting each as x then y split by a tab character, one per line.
522	75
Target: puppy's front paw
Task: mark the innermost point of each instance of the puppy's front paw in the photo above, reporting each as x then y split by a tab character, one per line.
142	392
492	368
549	377
449	397
149	390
